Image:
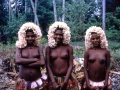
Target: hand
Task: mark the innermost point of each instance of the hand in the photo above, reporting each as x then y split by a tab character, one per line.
63	86
55	86
103	87
96	88
91	87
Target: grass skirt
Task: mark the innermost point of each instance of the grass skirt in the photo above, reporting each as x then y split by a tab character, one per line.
39	84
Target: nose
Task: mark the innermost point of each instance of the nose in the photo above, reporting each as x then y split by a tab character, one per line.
58	36
95	40
30	37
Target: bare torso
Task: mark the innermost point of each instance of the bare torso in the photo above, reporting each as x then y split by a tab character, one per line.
26	72
59	60
97	65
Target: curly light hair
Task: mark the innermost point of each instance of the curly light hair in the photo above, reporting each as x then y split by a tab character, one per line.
100	32
66	33
21	42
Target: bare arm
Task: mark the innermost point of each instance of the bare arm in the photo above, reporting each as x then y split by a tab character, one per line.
48	64
107	67
22	61
86	56
41	60
50	73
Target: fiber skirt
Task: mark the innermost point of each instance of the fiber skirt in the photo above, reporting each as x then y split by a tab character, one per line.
40	84
98	84
72	83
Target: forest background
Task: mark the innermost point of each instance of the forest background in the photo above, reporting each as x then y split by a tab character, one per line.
78	14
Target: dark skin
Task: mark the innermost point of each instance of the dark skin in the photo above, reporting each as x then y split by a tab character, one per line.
96	64
30	59
59	61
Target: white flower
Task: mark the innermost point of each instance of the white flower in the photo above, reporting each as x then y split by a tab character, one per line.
21	42
99	31
66	33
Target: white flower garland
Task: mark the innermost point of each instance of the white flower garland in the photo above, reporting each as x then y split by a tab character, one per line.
21	42
99	31
66	33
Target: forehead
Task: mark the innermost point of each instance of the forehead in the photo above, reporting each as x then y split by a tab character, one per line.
95	35
58	31
30	33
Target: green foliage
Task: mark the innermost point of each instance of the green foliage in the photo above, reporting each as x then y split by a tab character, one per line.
3	16
114	48
75	17
78	53
11	29
78	49
45	13
113	34
115	58
81	15
4	47
113	45
43	41
1	46
113	25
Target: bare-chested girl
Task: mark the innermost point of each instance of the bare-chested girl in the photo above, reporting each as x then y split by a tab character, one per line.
59	57
29	56
96	60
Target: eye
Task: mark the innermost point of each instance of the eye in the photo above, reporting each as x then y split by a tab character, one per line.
92	38
32	36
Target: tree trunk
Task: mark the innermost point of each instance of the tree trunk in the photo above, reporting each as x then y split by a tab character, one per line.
9	10
35	20
55	12
34	11
103	13
16	9
25	6
63	8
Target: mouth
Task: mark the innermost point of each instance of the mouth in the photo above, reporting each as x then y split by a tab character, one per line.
30	41
96	44
57	39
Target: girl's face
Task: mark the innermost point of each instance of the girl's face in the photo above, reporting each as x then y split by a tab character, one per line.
58	36
30	37
95	40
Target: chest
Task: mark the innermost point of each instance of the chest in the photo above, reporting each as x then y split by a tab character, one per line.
97	56
30	53
59	53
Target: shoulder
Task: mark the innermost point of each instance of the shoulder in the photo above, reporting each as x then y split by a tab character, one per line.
40	47
107	51
87	51
17	49
69	46
47	48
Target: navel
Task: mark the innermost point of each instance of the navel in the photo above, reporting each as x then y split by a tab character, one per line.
95	74
31	72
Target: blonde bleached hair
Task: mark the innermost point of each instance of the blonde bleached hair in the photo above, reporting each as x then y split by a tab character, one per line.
66	33
100	32
21	42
